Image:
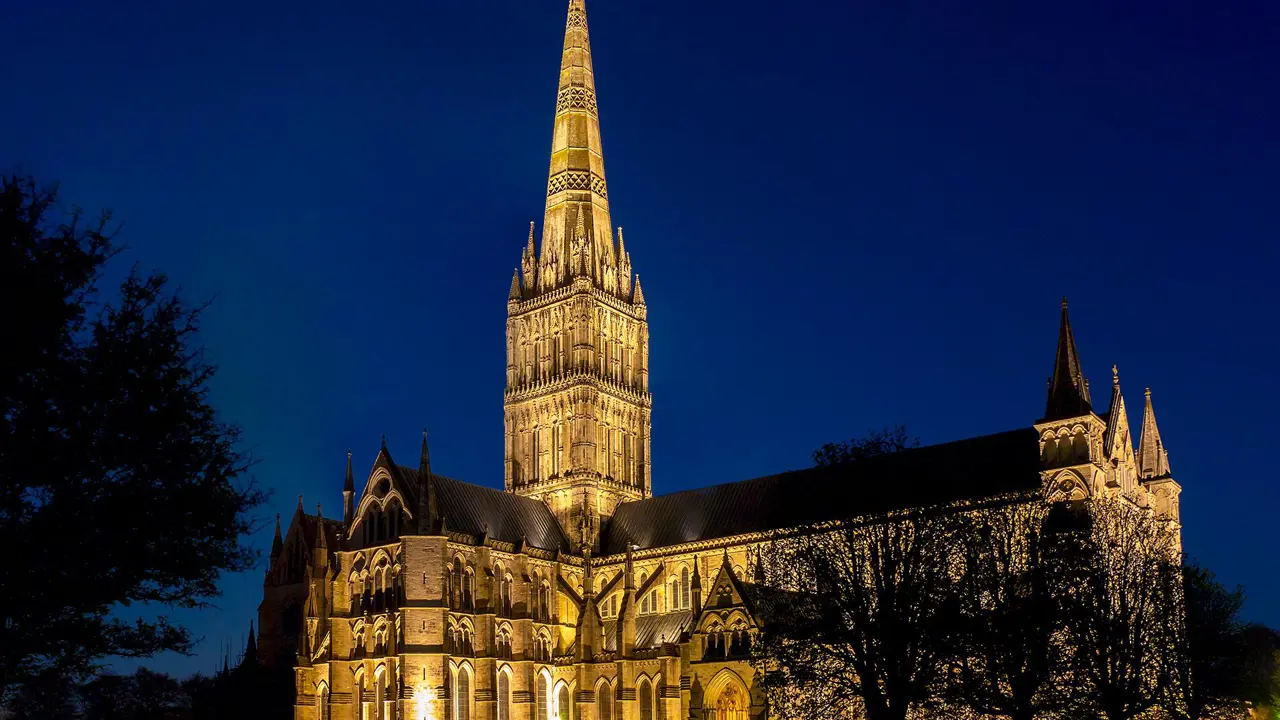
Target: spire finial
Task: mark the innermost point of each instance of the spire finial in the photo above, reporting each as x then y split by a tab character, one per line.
1153	459
1064	302
1115	375
1068	389
299	501
384	442
576	187
349	482
424	458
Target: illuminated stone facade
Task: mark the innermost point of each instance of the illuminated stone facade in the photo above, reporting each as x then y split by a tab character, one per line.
577	402
575	593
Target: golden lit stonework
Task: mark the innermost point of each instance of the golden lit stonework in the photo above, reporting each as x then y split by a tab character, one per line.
577	404
575	593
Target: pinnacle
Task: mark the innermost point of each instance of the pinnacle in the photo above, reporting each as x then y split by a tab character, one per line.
1068	388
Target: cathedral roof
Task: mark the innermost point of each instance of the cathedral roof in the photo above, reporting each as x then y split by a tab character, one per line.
965	469
474	509
652	630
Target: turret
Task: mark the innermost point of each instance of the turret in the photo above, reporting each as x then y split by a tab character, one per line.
1073	465
1153	466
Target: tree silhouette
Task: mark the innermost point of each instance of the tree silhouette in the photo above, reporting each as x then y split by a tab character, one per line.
119	484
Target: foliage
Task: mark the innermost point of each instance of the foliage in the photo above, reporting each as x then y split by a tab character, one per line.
119	485
877	442
1207	654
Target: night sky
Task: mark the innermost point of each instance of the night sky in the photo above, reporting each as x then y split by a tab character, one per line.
845	215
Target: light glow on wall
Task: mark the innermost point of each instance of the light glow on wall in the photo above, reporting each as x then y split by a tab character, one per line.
422	701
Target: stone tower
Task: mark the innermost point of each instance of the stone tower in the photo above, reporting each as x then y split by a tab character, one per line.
577	404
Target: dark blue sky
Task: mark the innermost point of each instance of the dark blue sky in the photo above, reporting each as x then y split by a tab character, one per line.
846	214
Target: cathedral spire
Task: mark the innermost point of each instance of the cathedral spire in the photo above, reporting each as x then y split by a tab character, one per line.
576	190
1068	390
1153	459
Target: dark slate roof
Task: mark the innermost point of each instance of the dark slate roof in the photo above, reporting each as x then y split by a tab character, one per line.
470	509
965	469
332	531
651	630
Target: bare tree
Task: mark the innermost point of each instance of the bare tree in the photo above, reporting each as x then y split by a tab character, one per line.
861	629
1008	653
1119	609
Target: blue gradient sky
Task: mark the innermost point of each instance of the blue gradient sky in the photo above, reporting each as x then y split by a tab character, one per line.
846	214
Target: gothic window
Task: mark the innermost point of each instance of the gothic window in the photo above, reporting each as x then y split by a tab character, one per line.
322	702
644	693
544	695
455	599
673	595
360	696
731	705
468	590
604	702
462	695
504	696
379	694
502	641
564	704
685	594
659	706
504	593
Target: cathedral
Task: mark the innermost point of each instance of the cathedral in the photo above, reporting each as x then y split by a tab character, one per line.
576	593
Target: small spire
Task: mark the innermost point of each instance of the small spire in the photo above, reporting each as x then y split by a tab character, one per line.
515	285
696	582
530	245
424	458
1153	459
1068	388
349	483
300	503
384	442
251	647
638	296
277	542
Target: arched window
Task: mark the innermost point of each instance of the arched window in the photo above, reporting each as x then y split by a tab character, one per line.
504	696
322	702
604	702
564	704
360	696
731	705
673	595
686	600
504	593
659	706
544	696
462	695
644	693
379	693
456	600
